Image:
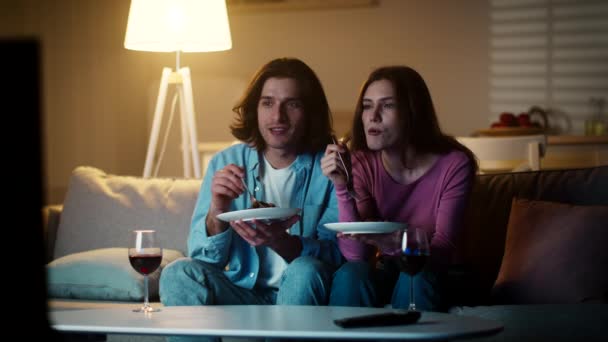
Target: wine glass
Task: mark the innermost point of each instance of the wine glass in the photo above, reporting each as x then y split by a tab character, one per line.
415	250
145	255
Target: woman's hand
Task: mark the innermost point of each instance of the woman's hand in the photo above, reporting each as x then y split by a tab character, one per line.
387	244
334	166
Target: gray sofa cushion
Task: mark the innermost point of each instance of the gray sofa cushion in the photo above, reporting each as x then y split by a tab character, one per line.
100	210
103	274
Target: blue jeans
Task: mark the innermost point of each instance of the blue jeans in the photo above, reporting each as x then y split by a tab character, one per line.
306	281
358	284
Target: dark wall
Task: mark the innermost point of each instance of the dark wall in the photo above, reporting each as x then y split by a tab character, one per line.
23	191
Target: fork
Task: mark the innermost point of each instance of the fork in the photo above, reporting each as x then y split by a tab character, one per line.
349	183
253	199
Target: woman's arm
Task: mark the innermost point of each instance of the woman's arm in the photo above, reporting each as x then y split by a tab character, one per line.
450	214
351	210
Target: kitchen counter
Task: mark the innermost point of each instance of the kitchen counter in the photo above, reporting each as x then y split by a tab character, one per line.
563	151
576	139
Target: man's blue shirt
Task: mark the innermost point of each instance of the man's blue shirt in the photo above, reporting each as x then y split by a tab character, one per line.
313	193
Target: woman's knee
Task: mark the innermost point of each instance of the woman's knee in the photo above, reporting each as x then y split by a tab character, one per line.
353	286
427	292
353	272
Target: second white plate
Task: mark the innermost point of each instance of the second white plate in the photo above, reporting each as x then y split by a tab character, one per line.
258	214
366	227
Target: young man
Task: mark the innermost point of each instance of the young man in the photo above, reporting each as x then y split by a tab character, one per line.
284	122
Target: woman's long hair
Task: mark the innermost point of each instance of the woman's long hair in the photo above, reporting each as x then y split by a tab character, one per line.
318	121
417	118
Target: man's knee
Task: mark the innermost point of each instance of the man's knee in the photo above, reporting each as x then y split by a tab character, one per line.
308	269
172	279
182	282
175	271
306	281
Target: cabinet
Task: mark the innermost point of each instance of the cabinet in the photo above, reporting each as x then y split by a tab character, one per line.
570	151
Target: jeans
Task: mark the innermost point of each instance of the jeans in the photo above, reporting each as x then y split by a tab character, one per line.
359	284
306	281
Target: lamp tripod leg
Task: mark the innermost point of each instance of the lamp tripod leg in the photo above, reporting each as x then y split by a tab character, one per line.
158	115
188	105
185	133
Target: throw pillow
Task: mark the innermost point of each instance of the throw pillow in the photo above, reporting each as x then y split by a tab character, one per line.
554	253
102	274
101	210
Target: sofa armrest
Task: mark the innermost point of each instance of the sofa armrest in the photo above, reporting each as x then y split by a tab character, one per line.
51	215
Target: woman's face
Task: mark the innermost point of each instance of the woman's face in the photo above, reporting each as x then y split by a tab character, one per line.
380	116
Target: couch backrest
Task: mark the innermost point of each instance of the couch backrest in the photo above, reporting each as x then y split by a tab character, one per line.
101	210
488	212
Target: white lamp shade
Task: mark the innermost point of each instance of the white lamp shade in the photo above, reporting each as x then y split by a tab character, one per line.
178	25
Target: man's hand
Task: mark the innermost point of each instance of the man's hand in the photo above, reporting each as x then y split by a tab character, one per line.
272	234
225	187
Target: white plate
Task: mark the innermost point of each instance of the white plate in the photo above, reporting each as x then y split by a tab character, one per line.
258	214
367	227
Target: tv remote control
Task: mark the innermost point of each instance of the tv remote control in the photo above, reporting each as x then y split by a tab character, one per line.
378	320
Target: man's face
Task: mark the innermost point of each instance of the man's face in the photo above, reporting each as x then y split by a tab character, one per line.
281	114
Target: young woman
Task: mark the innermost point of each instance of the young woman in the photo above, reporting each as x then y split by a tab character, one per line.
404	169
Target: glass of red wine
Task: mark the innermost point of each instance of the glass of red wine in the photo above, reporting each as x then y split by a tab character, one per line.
415	250
145	256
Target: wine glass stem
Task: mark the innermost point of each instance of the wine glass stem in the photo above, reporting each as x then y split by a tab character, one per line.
412	306
146	303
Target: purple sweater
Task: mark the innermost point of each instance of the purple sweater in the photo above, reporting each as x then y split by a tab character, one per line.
436	200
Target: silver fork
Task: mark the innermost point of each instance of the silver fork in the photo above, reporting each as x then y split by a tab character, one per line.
253	199
349	183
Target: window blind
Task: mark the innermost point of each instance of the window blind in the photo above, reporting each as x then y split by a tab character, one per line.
552	54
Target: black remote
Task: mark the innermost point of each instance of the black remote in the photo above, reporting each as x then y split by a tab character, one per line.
379	320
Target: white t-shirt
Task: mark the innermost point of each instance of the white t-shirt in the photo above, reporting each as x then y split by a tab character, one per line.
278	189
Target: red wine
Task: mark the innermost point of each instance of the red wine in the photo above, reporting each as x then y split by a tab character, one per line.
145	264
412	264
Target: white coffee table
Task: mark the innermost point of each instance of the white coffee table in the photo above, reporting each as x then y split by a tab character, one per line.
271	321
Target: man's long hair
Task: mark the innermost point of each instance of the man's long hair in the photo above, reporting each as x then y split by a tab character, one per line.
318	121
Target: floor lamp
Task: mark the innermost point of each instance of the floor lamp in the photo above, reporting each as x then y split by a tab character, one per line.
177	26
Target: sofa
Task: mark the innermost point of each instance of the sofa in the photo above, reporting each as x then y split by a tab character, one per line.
532	254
